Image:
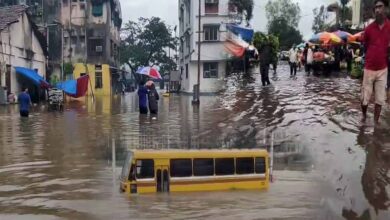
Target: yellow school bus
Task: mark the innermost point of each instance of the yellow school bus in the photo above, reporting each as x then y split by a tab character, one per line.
150	171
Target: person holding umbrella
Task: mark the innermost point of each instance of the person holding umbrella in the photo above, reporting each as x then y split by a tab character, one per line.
153	98
143	98
143	92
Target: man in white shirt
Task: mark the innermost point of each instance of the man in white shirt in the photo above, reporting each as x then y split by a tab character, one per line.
293	60
309	60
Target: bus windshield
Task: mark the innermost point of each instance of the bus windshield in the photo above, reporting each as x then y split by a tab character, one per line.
126	166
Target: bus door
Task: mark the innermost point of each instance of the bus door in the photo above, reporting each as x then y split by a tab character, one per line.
162	178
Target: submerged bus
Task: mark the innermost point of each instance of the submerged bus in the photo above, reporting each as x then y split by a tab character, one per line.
150	171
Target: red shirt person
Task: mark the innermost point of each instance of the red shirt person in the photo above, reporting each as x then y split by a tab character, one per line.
376	40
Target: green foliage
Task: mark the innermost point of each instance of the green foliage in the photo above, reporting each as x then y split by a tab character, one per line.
68	68
274	40
146	43
244	7
344	2
286	34
286	9
260	39
283	18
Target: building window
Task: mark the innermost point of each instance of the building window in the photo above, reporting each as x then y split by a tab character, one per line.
188	42
82	39
211	32
188	12
203	167
245	165
97	9
210	70
186	71
145	169
98	77
95	47
111	48
211	6
8	77
74	40
224	166
181	168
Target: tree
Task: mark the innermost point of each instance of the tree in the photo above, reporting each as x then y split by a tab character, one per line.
286	34
146	44
286	9
244	7
258	39
320	18
283	18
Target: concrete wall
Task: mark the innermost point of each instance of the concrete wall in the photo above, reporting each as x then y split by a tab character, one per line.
208	85
21	48
80	68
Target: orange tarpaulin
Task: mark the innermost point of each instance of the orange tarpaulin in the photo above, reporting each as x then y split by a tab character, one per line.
234	48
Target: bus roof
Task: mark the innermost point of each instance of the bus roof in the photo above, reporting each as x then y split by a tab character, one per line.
199	153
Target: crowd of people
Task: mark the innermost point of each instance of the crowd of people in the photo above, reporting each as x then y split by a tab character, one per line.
327	59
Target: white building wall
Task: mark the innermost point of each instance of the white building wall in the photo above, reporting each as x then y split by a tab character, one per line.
210	51
16	39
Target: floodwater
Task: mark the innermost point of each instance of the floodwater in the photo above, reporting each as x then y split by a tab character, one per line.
328	165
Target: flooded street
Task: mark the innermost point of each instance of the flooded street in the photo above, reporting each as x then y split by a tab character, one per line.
328	165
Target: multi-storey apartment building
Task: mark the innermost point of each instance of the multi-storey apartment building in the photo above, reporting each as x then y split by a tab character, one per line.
215	14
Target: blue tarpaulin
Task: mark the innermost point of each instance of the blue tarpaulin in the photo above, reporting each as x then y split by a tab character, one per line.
245	33
69	87
32	75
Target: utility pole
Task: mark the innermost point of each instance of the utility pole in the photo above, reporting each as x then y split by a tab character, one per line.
196	100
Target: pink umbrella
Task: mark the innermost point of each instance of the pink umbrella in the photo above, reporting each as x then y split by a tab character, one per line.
149	71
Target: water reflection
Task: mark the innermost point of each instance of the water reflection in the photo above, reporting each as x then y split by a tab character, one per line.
60	165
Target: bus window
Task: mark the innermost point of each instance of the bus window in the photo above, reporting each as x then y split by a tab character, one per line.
224	166
245	166
126	166
260	165
145	169
203	167
181	167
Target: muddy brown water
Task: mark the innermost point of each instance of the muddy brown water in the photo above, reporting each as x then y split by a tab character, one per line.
328	165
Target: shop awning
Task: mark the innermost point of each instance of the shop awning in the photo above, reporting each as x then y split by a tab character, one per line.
75	88
33	76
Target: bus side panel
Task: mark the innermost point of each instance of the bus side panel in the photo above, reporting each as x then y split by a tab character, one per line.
146	189
218	185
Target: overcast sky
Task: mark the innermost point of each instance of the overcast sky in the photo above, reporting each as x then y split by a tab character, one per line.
168	11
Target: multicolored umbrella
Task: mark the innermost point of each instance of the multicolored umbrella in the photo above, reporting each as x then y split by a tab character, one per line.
301	45
325	38
149	71
345	36
358	37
